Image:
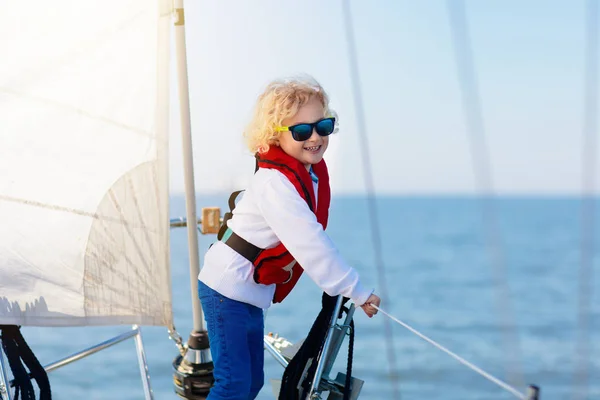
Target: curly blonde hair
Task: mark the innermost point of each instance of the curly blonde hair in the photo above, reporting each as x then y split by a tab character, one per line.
281	100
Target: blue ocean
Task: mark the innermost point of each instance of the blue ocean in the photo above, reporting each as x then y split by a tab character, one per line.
501	289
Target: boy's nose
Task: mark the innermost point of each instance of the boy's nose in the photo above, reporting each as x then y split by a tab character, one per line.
315	135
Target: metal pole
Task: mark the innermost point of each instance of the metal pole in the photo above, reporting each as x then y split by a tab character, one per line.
135	333
336	343
276	355
87	352
197	344
321	365
188	161
5	391
143	364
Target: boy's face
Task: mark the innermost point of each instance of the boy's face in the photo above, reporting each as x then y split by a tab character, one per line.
310	151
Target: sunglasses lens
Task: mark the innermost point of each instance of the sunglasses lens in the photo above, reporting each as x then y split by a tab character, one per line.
302	132
325	127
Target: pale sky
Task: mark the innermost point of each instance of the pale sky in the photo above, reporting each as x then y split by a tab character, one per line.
528	58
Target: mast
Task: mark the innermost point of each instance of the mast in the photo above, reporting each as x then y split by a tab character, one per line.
188	161
193	368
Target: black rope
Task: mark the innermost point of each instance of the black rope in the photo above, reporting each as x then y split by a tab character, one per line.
588	214
37	370
348	383
482	169
21	380
371	202
18	352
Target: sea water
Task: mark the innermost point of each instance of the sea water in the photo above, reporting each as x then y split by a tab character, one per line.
497	283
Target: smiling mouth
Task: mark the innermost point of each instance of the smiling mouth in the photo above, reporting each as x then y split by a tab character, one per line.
313	149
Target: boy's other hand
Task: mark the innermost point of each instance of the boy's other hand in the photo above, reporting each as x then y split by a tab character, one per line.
368	306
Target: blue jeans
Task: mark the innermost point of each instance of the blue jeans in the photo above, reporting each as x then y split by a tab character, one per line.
235	333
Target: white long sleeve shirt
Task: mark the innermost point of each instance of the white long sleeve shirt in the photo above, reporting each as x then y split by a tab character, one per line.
271	211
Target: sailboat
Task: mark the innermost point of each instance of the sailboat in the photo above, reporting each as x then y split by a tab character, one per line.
85	201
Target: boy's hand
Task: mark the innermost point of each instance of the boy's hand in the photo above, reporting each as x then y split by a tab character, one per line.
368	308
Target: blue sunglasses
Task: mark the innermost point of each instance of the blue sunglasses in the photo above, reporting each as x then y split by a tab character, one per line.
303	132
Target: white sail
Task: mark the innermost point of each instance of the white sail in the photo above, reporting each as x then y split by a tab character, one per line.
84	225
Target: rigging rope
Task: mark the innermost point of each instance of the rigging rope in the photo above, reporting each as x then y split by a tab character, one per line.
371	202
483	178
588	214
473	367
18	353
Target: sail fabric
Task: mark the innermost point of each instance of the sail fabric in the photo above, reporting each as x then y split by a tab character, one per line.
84	226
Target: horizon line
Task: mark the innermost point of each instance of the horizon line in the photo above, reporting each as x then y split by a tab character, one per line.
424	194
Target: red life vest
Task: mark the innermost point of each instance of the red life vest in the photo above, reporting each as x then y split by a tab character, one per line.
276	265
